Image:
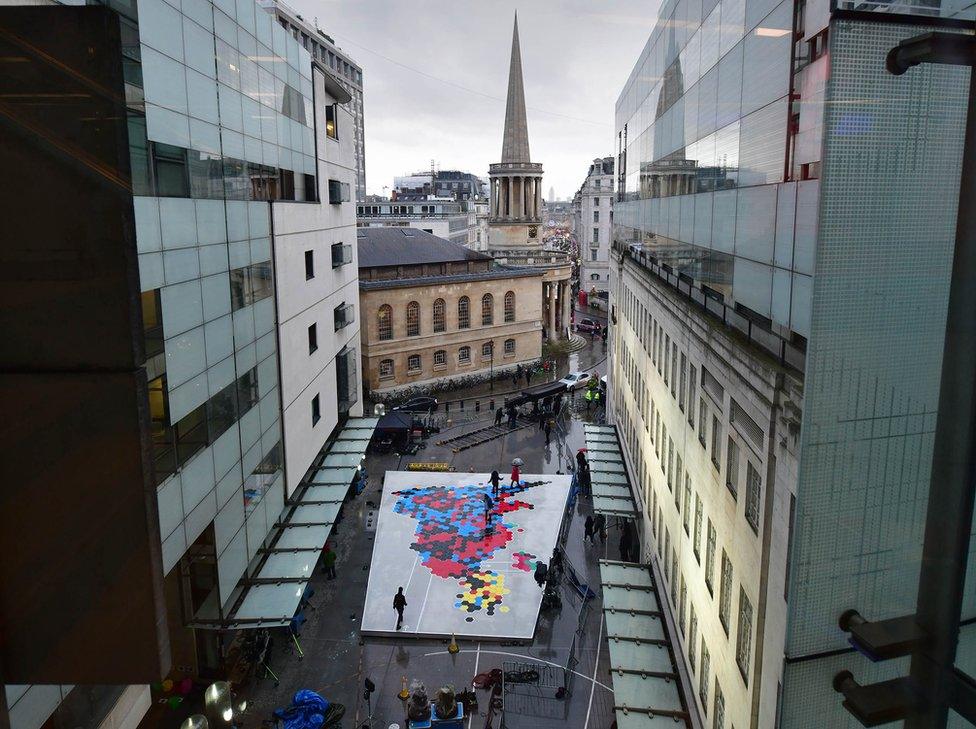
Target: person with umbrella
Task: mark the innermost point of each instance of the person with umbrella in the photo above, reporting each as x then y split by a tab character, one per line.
516	474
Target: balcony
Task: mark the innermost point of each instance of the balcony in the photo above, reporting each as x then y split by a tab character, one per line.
341	254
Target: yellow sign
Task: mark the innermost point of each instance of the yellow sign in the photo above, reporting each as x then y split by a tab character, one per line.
429	466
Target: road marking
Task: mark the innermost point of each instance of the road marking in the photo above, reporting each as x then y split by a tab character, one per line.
596	662
525	656
426	593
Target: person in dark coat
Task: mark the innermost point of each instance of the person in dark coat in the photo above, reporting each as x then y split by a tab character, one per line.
488	505
511	417
541	573
495	480
516	375
399	602
498	417
580	460
588	528
528	375
626	543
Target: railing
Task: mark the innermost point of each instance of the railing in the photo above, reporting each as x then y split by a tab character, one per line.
785	352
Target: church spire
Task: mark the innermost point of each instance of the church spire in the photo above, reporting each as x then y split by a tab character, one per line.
515	144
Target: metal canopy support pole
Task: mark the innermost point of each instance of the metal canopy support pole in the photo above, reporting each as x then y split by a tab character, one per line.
948	522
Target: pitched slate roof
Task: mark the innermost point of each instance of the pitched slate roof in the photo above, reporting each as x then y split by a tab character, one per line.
399	246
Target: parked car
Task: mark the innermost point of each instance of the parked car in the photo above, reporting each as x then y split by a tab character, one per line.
575	380
418	405
586	325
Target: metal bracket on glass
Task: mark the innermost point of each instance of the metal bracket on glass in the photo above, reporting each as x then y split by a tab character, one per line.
882	640
877	703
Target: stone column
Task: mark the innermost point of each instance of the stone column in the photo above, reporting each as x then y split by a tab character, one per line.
493	207
511	197
538	197
533	181
567	304
552	312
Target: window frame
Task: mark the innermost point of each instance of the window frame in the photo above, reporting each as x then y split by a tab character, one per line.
384	326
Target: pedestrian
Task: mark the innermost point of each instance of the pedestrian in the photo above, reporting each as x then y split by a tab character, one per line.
626	541
581	460
495	480
516	475
328	561
511	417
399	602
528	375
517	375
589	399
588	528
498	417
584	481
548	430
600	527
541	573
488	506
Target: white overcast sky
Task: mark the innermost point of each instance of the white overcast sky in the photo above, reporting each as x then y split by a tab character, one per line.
576	56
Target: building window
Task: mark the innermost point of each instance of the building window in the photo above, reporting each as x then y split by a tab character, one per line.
440	358
487	310
702	421
413	319
152	322
509	347
487	349
687	514
593	252
313	338
341	254
440	317
386	369
692	384
509	306
703	676
596	217
718	720
753	490
464	355
309	265
596	236
710	557
696	538
725	592
464	312
716	443
384	320
413	363
338	192
681	382
343	315
692	635
316	410
743	641
682	596
331	122
732	468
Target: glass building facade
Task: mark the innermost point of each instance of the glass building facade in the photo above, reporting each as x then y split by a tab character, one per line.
774	180
221	122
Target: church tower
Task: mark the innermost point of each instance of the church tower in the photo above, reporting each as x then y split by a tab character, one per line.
516	182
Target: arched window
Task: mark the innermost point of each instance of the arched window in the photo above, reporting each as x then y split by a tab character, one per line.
386	369
594	277
440	358
464	313
464	355
385	320
487	310
509	347
413	319
510	306
486	349
413	363
440	320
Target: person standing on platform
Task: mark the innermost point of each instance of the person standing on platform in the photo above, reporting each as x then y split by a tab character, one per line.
399	602
498	417
495	480
588	528
528	376
516	375
488	505
516	475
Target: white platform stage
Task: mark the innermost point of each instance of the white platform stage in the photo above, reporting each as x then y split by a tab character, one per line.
459	574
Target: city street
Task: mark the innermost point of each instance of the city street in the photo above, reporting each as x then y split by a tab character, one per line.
337	659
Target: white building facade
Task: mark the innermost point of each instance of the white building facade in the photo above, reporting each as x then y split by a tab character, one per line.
596	226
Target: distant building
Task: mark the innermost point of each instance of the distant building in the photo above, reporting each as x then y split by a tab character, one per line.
442	184
595	226
435	311
455	221
552	194
348	73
